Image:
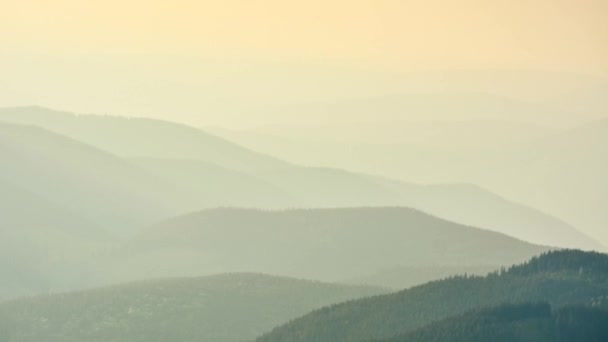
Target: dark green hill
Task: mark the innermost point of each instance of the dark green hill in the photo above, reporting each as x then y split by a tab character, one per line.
324	244
517	323
559	278
223	308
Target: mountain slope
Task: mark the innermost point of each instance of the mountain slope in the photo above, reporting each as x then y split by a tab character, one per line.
325	244
206	185
517	323
138	137
89	182
564	174
43	247
475	206
559	278
20	208
223	308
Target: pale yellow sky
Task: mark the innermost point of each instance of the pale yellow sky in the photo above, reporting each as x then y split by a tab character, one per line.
225	62
535	34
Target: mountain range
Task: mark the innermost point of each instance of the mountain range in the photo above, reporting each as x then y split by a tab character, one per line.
160	169
557	170
127	229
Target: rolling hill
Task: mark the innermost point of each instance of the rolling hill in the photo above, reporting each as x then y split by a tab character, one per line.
324	244
560	278
221	308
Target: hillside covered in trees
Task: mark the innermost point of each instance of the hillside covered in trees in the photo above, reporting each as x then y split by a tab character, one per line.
517	323
223	308
560	278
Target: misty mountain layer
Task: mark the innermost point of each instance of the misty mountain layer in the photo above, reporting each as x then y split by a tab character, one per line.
559	171
325	244
173	169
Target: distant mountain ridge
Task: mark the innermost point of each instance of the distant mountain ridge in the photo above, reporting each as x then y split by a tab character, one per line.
140	137
559	171
182	167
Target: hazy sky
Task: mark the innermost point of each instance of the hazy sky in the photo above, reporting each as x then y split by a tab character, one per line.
82	55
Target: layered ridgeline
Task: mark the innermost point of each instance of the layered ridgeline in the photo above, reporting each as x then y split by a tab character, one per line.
560	278
63	198
80	178
171	169
54	250
514	323
558	171
223	308
139	137
326	244
565	174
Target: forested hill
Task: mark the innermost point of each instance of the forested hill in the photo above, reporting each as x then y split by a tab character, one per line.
222	308
517	323
559	278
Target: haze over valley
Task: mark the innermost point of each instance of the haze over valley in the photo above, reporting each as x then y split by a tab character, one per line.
303	171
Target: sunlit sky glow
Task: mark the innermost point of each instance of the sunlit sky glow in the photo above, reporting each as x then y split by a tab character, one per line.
105	46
